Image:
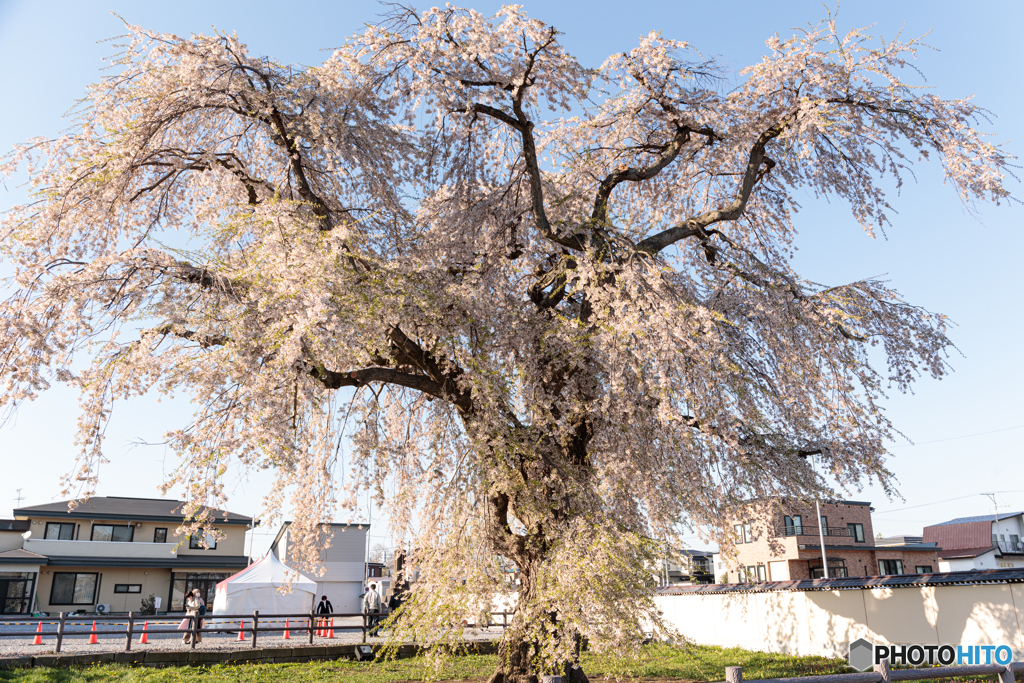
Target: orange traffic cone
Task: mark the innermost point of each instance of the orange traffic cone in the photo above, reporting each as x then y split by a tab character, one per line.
92	638
39	638
144	638
241	633
287	633
330	634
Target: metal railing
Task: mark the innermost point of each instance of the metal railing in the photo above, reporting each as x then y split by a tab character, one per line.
805	530
316	625
884	674
1011	547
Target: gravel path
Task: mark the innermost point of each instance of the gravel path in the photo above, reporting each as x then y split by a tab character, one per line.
76	636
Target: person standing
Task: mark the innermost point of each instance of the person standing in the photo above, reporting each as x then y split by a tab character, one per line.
193	604
371	608
325	607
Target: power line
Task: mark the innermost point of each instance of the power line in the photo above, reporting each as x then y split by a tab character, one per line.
938	502
954	438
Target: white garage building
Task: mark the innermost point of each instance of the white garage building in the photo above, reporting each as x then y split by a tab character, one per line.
344	564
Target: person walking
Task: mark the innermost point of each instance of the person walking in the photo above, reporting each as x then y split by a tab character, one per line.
325	607
194	604
371	608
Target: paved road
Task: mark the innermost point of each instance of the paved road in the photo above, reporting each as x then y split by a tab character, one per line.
76	636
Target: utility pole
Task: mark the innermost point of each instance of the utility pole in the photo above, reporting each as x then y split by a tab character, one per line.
995	516
821	531
821	537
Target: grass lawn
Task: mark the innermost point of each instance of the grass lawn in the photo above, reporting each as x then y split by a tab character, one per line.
702	663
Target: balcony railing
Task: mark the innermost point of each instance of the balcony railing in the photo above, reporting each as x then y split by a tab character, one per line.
135	550
1011	547
805	530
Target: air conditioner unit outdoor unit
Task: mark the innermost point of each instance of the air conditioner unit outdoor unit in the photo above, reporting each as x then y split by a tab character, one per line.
103	609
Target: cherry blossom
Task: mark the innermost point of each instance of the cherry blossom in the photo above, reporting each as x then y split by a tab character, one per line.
544	313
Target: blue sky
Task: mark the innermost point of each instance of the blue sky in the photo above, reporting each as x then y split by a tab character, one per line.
936	254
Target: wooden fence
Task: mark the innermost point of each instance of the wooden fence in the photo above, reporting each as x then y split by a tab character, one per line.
314	624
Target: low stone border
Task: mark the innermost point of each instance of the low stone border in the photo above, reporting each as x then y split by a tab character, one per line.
158	658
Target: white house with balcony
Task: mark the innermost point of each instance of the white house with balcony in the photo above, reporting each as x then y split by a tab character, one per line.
979	542
110	553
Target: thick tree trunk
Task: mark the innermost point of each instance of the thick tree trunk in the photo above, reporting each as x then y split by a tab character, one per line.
517	651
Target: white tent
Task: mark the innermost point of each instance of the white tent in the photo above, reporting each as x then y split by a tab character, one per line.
256	588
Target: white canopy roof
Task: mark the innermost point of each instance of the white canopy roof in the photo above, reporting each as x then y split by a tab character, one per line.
256	588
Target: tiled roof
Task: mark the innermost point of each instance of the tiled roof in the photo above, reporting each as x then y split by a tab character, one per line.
116	507
20	556
980	518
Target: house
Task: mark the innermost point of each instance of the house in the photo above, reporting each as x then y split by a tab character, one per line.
686	568
343	555
982	542
781	542
111	552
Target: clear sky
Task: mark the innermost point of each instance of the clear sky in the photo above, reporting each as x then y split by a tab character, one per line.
937	255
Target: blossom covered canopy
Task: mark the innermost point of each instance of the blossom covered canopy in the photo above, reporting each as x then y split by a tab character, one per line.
551	306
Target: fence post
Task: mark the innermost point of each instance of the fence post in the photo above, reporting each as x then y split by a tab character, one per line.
196	625
734	674
255	626
1007	675
883	668
364	627
60	630
312	623
128	637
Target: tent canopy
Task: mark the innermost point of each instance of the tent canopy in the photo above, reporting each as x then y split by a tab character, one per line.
256	588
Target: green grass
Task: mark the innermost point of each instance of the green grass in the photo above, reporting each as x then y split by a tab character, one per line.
701	663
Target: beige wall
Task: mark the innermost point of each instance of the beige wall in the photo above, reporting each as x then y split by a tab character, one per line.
233	543
824	622
155	581
10	540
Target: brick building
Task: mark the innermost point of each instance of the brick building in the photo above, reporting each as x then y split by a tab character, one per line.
781	542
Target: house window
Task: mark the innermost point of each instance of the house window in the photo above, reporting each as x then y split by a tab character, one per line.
761	573
59	531
1002	537
923	569
160	535
857	532
205	583
195	541
739	533
824	525
122	533
995	539
127	587
1014	538
751	574
1004	564
70	588
794	525
890	566
836	569
747	536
